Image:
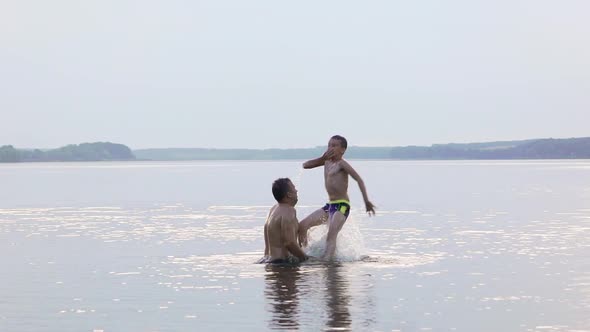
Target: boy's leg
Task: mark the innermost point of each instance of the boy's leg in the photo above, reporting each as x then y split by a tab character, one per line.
318	217
336	222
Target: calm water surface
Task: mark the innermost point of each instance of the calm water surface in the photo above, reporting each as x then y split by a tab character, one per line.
146	246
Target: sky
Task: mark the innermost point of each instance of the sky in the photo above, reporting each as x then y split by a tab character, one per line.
290	74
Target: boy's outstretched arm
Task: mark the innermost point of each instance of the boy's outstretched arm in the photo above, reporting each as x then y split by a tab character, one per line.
313	163
368	205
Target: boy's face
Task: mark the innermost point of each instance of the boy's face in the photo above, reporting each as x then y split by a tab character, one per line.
336	146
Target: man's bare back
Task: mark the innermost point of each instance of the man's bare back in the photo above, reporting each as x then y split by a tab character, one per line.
281	231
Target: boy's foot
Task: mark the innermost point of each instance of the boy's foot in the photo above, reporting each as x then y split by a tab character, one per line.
327	259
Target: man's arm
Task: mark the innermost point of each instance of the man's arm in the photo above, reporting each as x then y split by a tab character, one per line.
368	205
289	228
313	163
266	248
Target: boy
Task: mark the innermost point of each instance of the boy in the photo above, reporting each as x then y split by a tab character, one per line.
336	172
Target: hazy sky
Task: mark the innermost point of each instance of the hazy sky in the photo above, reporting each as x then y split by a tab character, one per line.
285	74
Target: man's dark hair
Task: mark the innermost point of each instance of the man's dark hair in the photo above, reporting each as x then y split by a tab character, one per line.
342	140
280	188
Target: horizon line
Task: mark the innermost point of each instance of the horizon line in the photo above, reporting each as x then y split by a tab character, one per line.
300	148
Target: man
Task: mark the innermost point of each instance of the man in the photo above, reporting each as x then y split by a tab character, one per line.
281	227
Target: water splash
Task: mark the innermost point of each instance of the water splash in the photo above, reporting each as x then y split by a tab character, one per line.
350	246
297	178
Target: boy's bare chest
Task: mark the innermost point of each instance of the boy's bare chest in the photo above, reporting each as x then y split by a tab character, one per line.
333	170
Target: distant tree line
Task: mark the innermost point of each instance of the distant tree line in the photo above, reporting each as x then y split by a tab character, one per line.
100	151
572	148
226	154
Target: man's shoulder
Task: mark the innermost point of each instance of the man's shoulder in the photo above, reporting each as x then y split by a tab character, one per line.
286	211
271	212
273	208
283	212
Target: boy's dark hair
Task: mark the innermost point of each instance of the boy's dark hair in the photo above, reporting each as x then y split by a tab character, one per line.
280	188
342	140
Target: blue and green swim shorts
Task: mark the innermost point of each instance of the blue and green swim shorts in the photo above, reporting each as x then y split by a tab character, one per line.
340	205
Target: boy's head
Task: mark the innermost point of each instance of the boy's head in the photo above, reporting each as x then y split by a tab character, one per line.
338	144
284	191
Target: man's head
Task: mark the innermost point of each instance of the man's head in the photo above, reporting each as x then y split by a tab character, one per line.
338	145
284	191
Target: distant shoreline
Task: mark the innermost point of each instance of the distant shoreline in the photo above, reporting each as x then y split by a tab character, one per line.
535	149
138	161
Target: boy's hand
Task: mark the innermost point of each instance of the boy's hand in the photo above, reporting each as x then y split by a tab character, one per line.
328	155
370	208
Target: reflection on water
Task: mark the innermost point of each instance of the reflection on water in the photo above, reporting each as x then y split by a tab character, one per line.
319	296
337	298
282	295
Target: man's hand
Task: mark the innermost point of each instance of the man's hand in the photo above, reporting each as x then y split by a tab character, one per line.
302	237
370	208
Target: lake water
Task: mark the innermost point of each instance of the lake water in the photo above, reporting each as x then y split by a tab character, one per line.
170	246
